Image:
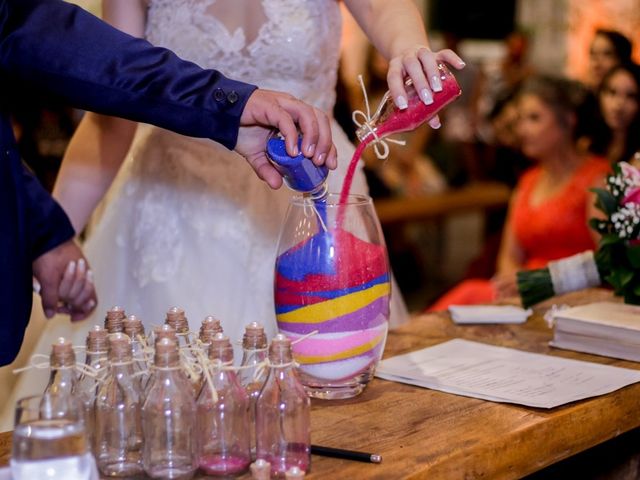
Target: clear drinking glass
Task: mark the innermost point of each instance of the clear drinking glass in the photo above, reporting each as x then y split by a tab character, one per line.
49	440
332	277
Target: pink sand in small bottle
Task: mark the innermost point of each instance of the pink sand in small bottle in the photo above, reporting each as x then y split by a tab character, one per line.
224	465
393	120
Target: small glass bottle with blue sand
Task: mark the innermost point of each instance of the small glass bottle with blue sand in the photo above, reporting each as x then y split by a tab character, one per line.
299	173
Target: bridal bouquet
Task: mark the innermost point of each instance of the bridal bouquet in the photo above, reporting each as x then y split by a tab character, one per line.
616	261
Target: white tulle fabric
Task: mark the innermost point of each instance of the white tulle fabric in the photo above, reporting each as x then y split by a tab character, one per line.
187	222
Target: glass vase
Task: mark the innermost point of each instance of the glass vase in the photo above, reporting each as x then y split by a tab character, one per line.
332	282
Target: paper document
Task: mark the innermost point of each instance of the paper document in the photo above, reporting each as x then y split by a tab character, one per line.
504	374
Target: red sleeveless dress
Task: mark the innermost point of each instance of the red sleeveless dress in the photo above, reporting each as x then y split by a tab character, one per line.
553	229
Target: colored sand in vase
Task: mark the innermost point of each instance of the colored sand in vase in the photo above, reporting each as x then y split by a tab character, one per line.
337	284
224	465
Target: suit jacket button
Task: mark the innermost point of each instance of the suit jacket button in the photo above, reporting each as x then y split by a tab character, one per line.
232	96
218	94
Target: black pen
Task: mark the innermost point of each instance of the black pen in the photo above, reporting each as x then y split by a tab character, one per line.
346	454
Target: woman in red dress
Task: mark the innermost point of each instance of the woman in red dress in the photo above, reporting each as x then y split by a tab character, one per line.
552	202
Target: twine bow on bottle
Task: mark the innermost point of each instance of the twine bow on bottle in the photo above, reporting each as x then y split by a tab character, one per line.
45	364
380	146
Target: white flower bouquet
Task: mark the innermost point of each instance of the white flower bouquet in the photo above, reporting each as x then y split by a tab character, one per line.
616	261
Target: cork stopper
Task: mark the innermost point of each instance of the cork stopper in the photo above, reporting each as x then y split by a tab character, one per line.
164	331
97	340
220	348
177	319
62	354
209	327
119	347
133	327
114	320
280	350
254	337
166	353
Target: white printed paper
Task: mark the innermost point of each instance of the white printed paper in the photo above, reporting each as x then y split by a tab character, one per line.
504	374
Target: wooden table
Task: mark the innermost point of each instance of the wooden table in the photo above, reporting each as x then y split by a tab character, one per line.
424	433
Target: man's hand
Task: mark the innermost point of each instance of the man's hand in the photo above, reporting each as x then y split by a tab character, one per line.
267	111
66	283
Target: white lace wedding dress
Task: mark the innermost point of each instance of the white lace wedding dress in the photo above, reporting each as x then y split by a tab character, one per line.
187	222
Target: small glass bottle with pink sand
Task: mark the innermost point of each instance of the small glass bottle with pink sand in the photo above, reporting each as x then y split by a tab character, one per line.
223	415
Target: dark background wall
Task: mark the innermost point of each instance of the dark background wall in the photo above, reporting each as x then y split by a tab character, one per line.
472	18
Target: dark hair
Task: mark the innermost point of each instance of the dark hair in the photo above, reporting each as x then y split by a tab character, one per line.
503	98
563	95
621	44
602	134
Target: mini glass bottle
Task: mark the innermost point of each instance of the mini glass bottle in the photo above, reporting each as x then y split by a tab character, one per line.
161	332
223	417
86	387
134	328
208	329
164	331
178	320
114	320
62	361
389	119
299	173
118	414
254	353
283	414
168	417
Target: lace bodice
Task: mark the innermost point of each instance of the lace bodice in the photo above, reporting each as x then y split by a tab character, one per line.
287	45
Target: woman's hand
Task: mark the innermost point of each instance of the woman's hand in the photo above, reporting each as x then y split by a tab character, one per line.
76	290
65	282
420	64
505	285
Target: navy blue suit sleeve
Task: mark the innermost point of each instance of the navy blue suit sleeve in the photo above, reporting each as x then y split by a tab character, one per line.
75	55
48	224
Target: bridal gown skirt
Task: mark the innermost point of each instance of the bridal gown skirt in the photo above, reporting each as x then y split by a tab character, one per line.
187	223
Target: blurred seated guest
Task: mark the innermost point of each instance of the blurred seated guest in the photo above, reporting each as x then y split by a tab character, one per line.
504	163
549	211
617	132
608	49
504	77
